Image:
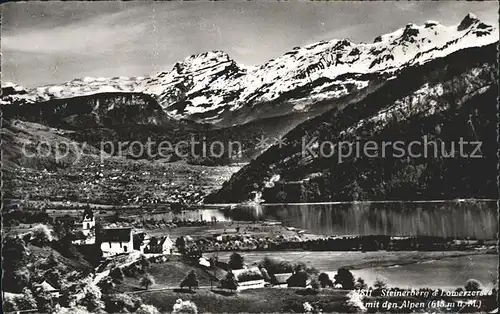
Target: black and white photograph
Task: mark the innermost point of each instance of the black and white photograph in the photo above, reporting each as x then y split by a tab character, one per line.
249	157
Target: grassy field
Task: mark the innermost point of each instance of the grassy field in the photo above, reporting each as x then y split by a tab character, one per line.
289	300
264	300
172	273
169	275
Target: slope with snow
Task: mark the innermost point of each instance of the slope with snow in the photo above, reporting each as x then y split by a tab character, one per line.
211	87
442	102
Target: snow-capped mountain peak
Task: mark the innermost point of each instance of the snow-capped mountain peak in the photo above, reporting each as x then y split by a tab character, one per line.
467	22
211	87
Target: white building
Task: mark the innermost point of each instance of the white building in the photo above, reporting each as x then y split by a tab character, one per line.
282	279
86	235
50	289
88	223
159	245
116	240
256	280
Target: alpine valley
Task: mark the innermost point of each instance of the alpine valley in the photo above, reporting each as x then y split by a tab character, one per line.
420	80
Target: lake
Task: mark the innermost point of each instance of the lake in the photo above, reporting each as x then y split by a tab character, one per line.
425	269
461	219
447	273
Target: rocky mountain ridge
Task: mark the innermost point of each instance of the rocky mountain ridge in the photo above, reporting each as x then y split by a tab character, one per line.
98	110
446	100
212	88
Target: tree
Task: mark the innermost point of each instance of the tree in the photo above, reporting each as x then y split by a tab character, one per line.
190	281
229	282
308	308
360	284
274	266
106	284
66	248
27	238
116	273
44	301
139	268
379	284
91	298
15	249
345	278
138	239
302	266
315	285
473	285
146	281
130	270
325	280
298	279
9	305
147	309
121	303
236	261
144	262
26	301
21	279
63	230
184	307
354	303
116	216
41	236
51	260
72	310
180	243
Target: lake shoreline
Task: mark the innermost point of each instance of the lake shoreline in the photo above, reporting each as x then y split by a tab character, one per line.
413	269
388	264
376	261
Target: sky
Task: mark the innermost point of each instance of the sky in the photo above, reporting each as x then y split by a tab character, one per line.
54	42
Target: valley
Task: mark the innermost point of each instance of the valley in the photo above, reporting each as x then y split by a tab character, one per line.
115	182
421	80
97	220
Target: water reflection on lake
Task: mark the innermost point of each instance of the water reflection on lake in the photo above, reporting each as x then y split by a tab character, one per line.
445	219
191	215
461	219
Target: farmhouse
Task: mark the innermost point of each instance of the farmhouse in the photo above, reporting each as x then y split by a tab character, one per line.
116	240
249	278
50	289
281	279
159	245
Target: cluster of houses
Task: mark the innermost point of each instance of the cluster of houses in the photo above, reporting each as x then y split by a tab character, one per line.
243	242
281	280
119	239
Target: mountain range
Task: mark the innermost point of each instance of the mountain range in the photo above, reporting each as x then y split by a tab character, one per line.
334	89
212	88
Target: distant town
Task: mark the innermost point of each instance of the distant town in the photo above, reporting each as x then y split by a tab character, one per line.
183	250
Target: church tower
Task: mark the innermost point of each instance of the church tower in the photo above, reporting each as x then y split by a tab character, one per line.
88	222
